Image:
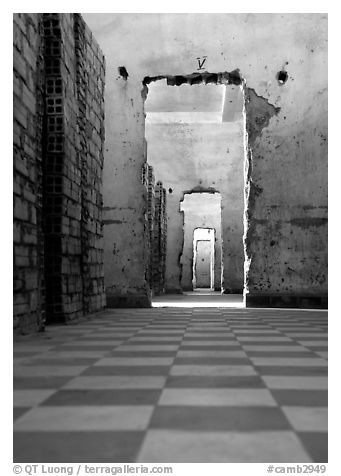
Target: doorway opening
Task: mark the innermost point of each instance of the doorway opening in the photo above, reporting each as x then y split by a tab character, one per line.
195	150
203	258
202	223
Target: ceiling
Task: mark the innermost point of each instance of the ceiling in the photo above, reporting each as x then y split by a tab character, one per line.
196	103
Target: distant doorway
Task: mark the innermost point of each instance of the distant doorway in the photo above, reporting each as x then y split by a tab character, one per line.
203	258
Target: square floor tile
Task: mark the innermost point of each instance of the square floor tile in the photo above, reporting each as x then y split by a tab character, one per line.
289	361
208	382
227	418
116	382
316	445
85	418
295	383
301	398
103	397
76	447
217	397
22	383
134	361
48	370
213	370
160	446
31	397
307	418
127	370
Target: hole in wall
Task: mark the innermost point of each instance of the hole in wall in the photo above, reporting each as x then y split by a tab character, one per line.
282	77
170	190
123	72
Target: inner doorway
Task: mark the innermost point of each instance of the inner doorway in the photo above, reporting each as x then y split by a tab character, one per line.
203	258
195	145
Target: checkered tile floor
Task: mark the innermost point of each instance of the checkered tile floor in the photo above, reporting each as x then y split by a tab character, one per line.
174	385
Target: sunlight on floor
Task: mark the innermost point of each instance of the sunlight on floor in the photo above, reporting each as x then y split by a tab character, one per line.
199	298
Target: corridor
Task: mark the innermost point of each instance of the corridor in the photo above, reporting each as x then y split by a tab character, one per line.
174	385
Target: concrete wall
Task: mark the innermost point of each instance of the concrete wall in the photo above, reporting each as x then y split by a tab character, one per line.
58	160
287	127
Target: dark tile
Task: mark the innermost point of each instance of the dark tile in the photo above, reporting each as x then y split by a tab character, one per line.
140	353
311	338
24	383
291	370
20	354
103	397
316	444
62	361
260	344
219	418
107	340
151	342
18	411
214	382
127	370
85	348
228	340
257	334
158	334
76	447
233	347
305	398
211	361
259	353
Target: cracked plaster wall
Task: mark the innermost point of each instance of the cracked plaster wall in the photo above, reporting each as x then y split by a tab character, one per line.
287	178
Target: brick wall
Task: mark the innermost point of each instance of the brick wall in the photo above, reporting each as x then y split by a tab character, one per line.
27	161
58	160
159	240
148	180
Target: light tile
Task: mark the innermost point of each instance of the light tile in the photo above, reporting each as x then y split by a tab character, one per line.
314	343
199	335
264	339
113	382
159	331
307	418
211	353
85	418
31	397
307	334
257	331
215	343
217	397
222	447
147	348
156	339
